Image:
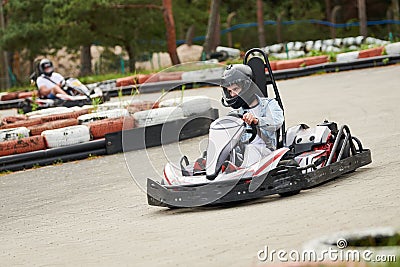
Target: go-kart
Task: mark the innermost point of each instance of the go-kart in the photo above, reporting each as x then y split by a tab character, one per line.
305	157
78	94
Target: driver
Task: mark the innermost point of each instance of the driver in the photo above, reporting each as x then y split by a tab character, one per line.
49	82
241	93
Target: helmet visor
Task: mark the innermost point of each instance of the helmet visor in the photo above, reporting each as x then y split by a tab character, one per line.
232	90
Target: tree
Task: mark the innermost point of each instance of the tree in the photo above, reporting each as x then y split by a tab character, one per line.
209	46
170	31
260	23
362	15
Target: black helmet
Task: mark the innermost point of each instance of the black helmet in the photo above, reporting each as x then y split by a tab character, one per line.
241	75
43	65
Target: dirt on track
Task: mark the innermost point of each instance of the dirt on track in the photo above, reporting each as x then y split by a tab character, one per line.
92	212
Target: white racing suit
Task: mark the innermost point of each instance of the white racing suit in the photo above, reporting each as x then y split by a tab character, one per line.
270	119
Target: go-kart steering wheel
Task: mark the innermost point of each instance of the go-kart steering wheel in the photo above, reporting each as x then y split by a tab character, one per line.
253	129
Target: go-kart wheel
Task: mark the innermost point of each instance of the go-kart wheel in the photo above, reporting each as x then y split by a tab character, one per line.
253	129
289	194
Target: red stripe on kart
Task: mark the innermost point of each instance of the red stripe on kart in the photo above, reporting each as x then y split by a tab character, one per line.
263	167
166	178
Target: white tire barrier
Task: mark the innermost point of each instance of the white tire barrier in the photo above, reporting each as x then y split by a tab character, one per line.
106	114
13	134
66	136
191	105
347	57
393	49
48	111
201	75
157	116
232	52
112	105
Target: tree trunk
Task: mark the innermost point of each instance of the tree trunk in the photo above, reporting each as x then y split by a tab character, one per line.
170	31
279	27
189	35
131	56
328	10
333	20
86	61
217	33
212	22
395	4
228	25
260	22
362	15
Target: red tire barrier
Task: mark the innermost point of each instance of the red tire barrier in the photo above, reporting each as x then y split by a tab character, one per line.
9	96
170	76
38	129
13	119
372	52
142	78
273	65
290	64
81	112
153	78
99	129
22	123
23	145
23	95
315	60
142	105
130	80
56	117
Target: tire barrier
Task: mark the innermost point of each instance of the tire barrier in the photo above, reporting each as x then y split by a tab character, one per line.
190	105
157	116
107	114
290	64
22	123
8	96
23	95
23	145
13	134
130	80
393	49
38	129
168	76
66	136
48	111
13	119
201	75
372	52
347	57
98	129
309	61
73	142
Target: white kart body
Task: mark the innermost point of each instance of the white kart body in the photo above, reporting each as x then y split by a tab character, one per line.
225	135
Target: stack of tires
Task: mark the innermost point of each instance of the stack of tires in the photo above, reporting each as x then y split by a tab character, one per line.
61	126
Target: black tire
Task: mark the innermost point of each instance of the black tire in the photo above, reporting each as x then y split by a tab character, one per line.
289	194
289	162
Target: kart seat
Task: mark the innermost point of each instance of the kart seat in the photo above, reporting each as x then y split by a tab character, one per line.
259	65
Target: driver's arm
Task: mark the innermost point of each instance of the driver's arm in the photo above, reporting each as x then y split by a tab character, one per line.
273	118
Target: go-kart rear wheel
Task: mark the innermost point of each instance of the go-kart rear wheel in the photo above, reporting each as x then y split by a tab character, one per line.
293	163
289	194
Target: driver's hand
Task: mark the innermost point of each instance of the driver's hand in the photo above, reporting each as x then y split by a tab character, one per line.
250	118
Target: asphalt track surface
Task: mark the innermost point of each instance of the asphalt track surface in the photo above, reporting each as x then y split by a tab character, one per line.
94	212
